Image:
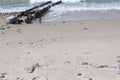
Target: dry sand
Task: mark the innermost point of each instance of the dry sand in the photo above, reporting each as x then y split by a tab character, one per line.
83	50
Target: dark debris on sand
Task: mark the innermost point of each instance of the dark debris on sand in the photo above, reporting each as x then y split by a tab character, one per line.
32	68
103	66
2	75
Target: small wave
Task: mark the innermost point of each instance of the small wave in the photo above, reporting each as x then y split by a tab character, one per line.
33	1
14	8
86	6
65	7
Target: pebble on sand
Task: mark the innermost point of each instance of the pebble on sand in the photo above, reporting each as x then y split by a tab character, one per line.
85	63
103	66
85	28
2	75
63	22
2	28
79	74
40	78
20	78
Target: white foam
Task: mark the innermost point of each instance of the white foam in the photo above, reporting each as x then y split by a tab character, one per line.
85	6
14	8
33	1
67	7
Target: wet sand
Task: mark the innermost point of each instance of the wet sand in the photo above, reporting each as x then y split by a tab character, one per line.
81	50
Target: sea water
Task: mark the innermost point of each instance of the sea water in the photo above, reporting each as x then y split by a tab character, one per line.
69	9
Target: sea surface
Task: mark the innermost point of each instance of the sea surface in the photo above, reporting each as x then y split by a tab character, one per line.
69	9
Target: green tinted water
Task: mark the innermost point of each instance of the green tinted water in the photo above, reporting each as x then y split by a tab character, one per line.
9	2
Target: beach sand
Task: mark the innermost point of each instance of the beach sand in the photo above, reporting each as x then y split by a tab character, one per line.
81	50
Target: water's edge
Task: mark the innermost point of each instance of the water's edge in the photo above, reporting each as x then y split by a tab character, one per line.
68	11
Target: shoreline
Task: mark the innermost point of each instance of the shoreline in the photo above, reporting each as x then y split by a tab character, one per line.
84	16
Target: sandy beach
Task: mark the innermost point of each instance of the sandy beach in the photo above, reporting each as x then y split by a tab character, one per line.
81	50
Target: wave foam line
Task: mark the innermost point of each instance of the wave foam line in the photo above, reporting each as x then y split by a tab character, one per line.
85	6
33	1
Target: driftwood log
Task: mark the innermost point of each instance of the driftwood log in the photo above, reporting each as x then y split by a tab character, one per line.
33	13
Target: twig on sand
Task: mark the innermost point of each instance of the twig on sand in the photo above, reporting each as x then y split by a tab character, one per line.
32	68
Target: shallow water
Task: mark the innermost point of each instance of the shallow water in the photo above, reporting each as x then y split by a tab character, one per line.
67	5
12	2
69	9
